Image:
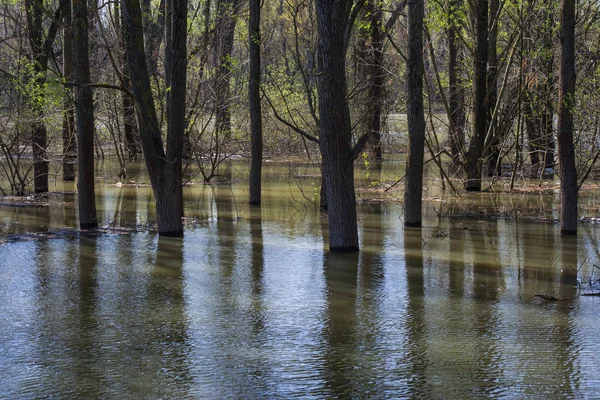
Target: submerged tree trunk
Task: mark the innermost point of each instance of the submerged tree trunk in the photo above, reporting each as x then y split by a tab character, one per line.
254	102
333	19
84	105
457	92
473	157
415	115
566	102
164	168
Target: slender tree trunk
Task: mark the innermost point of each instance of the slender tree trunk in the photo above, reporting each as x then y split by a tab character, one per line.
84	105
566	103
494	168
164	168
457	92
225	31
548	117
371	47
335	127
473	158
254	102
129	121
68	128
415	115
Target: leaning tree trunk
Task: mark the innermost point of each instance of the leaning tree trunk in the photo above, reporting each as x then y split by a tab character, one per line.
566	102
164	168
473	157
84	106
415	115
333	18
254	102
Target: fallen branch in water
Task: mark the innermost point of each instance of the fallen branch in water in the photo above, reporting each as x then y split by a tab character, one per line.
552	298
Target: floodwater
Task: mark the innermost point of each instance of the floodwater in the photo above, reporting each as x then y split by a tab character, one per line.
250	304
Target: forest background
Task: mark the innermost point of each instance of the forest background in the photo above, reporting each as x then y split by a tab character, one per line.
487	87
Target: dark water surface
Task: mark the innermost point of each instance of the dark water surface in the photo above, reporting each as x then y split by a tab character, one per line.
251	305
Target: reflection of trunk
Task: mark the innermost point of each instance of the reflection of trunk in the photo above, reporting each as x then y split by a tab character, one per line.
254	103
340	272
416	339
84	105
492	73
335	126
566	102
473	157
68	128
164	168
457	93
415	115
225	30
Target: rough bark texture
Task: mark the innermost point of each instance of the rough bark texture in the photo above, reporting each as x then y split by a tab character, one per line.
254	103
566	102
415	115
335	127
84	106
457	92
68	128
164	168
473	158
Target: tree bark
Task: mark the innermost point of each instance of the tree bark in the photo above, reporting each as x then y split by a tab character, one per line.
566	103
84	106
333	19
164	168
473	158
254	103
415	115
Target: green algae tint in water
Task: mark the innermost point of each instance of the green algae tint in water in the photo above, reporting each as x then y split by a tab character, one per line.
249	305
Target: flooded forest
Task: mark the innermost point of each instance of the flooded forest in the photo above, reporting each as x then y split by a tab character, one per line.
299	199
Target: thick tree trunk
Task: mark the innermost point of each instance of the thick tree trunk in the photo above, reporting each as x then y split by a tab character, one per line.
68	128
335	127
566	103
84	106
473	158
254	102
164	168
457	93
415	115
